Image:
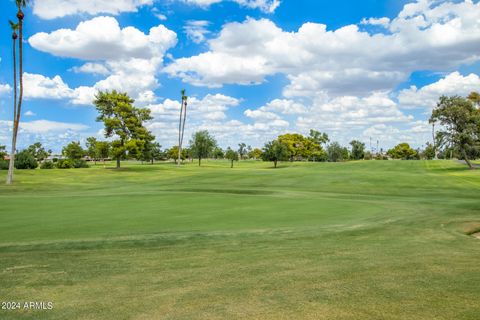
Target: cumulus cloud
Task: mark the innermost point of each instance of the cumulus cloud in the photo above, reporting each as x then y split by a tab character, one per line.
427	36
29	113
5	89
128	57
268	6
52	9
196	30
427	97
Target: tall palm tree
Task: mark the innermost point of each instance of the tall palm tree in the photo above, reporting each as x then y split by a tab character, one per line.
181	124
18	108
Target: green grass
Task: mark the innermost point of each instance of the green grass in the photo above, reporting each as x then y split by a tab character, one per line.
358	240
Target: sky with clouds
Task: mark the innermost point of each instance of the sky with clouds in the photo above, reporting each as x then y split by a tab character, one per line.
252	69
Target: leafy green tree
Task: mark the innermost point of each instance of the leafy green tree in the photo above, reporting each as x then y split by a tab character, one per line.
151	152
218	153
102	150
38	151
73	151
358	150
336	152
255	154
475	98
275	151
26	160
172	153
429	152
202	145
125	122
461	120
242	150
403	151
92	151
3	153
318	137
231	155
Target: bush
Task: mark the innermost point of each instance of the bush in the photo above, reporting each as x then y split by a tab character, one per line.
64	164
78	163
25	160
4	164
47	165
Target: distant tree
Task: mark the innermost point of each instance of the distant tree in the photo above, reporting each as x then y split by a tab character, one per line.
403	151
92	148
358	150
38	151
429	152
102	150
275	151
318	137
336	152
151	152
202	145
461	120
73	151
172	153
218	153
475	98
231	155
124	121
242	150
3	153
25	160
255	154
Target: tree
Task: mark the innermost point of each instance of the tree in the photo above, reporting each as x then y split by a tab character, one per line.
102	150
73	151
92	151
242	150
231	155
3	153
38	151
151	152
181	124
255	154
26	160
462	122
124	121
336	152
403	151
475	98
202	145
358	150
318	137
218	153
18	107
275	151
429	153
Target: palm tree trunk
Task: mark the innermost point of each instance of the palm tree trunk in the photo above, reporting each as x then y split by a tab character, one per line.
232	164
184	119
14	135
180	135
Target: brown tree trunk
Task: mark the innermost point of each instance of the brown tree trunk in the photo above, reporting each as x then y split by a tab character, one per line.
11	165
275	163
232	164
199	161
118	163
467	160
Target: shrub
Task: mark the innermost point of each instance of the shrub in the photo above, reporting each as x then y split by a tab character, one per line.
47	165
64	164
25	160
4	164
79	163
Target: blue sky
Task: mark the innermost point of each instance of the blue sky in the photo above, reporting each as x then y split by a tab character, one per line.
253	69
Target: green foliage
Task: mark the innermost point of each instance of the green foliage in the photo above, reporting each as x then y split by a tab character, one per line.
403	151
318	137
202	145
121	119
429	152
358	150
80	163
3	152
461	120
38	151
231	155
25	160
275	151
92	151
242	150
102	149
47	165
64	164
255	154
4	164
73	150
151	152
172	153
302	148
218	153
336	152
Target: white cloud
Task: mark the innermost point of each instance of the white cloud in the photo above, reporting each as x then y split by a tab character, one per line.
383	22
29	113
5	89
427	97
52	9
268	6
338	62
196	30
129	58
40	87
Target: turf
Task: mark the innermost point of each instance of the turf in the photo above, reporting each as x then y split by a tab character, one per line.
357	240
